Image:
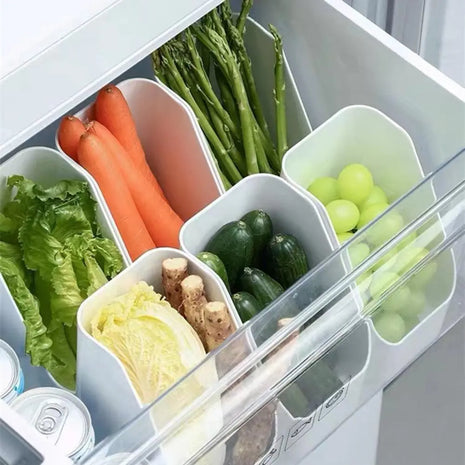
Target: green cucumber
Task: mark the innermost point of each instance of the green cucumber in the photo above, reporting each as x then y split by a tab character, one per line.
233	244
285	259
262	229
263	287
215	263
246	305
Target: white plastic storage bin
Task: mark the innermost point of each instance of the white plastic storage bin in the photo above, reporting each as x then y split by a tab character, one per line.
102	381
355	134
361	134
260	47
293	213
45	166
173	144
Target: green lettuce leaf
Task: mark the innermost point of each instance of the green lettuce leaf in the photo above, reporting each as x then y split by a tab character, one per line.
13	253
53	258
8	228
65	296
38	344
62	365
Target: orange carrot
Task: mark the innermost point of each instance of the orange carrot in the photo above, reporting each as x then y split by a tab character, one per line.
101	131
70	130
161	221
112	110
97	159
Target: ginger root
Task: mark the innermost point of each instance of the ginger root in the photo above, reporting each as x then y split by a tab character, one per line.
174	271
218	324
194	302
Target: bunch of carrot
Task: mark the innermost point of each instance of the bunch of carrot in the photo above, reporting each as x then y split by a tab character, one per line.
110	150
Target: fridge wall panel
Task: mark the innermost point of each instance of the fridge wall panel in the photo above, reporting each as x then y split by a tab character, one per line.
355	62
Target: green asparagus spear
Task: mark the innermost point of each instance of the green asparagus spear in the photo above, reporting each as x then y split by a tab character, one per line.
238	46
223	157
227	61
261	155
240	23
280	94
227	97
205	84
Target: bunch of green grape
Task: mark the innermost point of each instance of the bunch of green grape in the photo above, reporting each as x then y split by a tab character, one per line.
352	201
399	311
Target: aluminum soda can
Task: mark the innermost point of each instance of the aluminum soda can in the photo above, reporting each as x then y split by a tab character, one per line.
11	375
60	417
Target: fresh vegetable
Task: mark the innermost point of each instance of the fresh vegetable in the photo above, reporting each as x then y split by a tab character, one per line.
261	226
194	301
285	259
173	272
52	256
280	94
232	117
214	262
218	324
263	287
69	132
112	110
153	341
162	223
246	305
98	160
142	168
233	244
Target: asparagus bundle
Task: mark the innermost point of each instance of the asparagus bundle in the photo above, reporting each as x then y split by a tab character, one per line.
208	66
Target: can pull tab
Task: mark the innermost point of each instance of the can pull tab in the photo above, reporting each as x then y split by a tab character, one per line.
51	419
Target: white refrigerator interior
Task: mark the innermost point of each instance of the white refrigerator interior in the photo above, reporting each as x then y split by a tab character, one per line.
338	59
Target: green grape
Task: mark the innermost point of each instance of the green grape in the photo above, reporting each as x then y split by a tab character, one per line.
398	300
343	214
370	213
377	195
390	326
355	183
363	284
385	229
386	262
410	323
382	281
342	237
358	253
409	240
325	189
421	279
415	306
407	259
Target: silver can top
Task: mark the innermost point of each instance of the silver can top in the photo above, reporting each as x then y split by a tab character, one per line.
59	416
9	369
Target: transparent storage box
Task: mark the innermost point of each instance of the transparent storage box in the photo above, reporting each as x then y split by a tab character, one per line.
324	40
250	387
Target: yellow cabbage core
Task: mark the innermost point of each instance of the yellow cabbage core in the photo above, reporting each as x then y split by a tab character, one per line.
152	340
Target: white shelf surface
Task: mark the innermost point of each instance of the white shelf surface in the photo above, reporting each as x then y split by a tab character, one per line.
54	54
